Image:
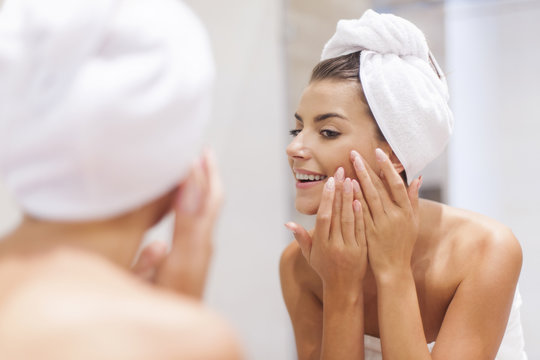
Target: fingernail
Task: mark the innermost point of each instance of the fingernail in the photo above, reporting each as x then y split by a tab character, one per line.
291	227
190	198
354	154
347	186
340	174
357	206
356	186
420	181
359	164
380	155
330	184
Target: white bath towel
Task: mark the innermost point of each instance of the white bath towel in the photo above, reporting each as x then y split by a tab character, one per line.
405	88
103	103
511	347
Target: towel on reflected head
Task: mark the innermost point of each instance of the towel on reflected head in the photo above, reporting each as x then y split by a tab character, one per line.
103	103
403	84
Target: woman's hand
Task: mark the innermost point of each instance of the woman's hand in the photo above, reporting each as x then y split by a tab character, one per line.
336	249
390	213
196	207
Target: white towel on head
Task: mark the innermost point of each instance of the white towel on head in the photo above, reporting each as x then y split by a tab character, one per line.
103	103
405	88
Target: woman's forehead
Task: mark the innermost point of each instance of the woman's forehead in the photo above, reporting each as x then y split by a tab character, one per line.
332	96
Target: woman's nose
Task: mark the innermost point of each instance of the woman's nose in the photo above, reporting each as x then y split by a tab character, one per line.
297	149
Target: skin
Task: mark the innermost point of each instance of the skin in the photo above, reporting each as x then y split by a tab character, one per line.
414	271
152	310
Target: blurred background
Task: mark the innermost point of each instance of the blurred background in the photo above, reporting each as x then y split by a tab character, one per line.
265	50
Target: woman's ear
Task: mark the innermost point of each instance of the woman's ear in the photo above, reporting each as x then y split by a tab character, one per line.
397	164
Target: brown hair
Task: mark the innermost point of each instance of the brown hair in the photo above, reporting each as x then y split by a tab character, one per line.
345	68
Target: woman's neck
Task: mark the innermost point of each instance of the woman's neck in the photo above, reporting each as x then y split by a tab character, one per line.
117	240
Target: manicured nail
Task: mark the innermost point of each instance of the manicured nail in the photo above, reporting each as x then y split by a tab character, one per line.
354	154
347	186
357	206
291	227
340	174
330	184
420	181
380	155
359	164
356	186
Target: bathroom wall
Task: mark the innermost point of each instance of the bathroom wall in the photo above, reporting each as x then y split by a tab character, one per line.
493	56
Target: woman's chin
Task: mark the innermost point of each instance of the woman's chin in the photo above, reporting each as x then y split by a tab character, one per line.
306	206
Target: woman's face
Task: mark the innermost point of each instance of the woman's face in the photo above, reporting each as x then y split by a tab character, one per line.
331	120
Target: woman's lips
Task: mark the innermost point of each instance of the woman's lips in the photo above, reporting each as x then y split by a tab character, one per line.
308	184
306	179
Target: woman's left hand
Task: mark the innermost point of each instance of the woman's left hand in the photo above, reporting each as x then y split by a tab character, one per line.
390	212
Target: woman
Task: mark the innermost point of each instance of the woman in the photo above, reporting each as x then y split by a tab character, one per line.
385	274
103	108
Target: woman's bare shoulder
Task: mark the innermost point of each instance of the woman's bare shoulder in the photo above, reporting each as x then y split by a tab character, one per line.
75	301
473	236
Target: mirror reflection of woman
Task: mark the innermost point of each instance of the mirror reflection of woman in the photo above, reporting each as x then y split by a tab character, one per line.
384	274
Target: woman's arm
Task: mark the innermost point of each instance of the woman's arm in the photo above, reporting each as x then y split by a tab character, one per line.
476	317
298	283
391	220
337	252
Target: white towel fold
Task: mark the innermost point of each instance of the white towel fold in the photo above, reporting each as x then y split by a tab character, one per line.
103	103
405	88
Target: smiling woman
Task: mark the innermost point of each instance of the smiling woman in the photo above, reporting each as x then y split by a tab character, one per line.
331	121
384	273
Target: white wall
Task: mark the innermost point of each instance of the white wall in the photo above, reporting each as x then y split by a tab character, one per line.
493	64
250	133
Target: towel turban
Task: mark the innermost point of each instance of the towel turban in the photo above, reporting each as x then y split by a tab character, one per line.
103	103
403	84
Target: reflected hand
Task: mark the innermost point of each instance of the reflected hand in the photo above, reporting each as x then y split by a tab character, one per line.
390	213
336	250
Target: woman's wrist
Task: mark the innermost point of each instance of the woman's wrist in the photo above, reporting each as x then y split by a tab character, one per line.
395	275
347	292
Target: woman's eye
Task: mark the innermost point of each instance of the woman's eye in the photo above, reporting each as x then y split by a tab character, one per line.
330	134
295	132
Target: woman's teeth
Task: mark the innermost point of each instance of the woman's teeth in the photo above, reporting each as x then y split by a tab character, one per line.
310	177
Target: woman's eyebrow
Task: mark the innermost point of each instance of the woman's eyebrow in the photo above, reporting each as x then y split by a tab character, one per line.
321	117
329	115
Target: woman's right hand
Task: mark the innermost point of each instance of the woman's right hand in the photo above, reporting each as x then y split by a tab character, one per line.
184	268
337	248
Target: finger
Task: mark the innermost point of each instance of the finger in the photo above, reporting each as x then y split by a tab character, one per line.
347	214
190	194
367	217
369	191
376	179
324	214
335	227
414	188
302	238
359	227
215	185
393	180
149	259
